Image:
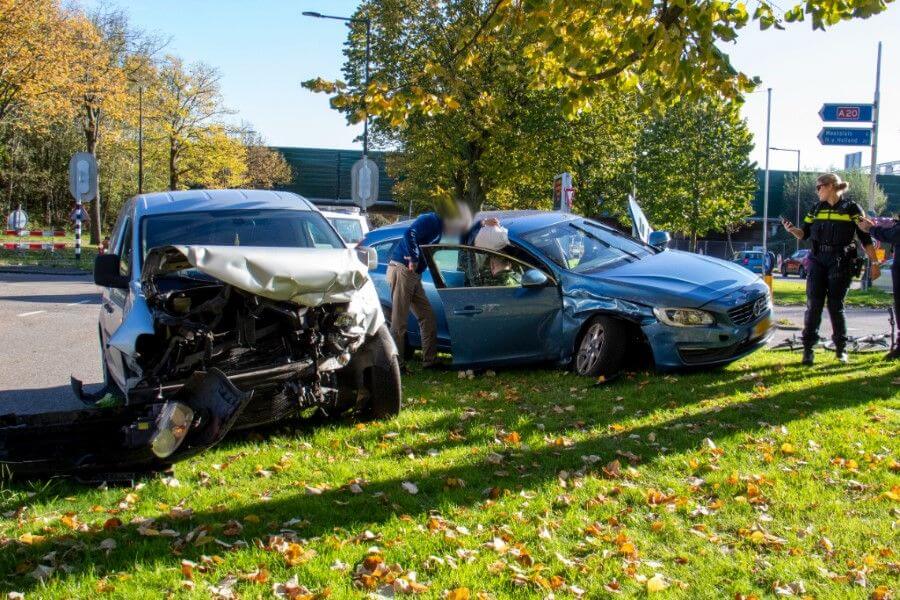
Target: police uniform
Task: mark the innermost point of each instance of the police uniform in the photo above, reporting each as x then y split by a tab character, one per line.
831	231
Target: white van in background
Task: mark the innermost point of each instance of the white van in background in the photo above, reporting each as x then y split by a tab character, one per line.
351	226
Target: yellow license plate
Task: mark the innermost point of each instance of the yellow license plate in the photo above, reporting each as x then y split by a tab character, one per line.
761	328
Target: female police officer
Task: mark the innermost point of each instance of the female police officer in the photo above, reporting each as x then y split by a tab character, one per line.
831	226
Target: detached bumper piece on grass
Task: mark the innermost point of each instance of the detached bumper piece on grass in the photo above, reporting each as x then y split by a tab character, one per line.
206	355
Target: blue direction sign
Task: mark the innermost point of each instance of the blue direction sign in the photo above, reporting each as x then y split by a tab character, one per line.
857	113
845	136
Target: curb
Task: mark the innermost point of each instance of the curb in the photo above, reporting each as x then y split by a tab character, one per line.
37	270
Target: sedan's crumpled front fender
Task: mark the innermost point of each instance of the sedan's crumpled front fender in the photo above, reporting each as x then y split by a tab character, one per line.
582	303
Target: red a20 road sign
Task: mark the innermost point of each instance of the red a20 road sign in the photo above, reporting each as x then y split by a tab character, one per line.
858	113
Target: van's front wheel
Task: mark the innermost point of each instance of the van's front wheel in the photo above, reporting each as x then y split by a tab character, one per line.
385	389
601	347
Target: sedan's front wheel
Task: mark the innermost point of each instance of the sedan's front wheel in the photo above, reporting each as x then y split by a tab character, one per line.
601	347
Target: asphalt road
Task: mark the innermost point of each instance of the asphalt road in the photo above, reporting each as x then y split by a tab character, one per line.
48	332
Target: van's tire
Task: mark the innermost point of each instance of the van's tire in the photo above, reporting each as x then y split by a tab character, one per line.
383	379
601	347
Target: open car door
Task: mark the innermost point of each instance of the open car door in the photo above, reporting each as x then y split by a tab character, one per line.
640	226
498	309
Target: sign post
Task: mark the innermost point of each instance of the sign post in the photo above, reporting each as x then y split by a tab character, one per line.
83	187
364	183
563	193
873	171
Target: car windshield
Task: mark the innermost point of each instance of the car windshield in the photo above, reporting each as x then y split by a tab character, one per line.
266	228
583	246
349	229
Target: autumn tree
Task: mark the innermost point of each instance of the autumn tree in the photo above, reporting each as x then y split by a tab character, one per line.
693	169
36	49
487	132
110	54
266	168
185	101
213	158
582	49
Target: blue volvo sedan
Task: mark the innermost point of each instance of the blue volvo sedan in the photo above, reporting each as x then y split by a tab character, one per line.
584	295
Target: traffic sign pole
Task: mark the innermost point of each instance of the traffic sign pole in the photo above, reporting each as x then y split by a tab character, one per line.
78	209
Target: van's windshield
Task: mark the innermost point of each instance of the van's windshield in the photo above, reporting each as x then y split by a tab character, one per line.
266	228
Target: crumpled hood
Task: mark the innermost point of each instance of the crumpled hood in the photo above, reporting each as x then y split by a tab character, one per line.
674	278
305	276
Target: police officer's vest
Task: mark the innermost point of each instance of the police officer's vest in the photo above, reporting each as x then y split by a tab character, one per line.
833	227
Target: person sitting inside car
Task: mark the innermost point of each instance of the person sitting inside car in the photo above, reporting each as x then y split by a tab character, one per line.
500	273
493	270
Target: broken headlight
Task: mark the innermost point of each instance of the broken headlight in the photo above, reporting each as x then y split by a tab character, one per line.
171	428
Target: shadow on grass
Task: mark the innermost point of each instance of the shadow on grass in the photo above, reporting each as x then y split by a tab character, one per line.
384	499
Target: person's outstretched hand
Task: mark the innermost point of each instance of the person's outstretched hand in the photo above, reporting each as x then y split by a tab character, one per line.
491	222
866	224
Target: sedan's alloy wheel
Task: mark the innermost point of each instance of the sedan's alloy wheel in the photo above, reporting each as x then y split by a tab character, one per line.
589	350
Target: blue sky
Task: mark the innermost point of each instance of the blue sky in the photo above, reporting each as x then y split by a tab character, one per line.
265	48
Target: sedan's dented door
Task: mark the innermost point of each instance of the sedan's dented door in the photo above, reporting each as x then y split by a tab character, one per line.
492	317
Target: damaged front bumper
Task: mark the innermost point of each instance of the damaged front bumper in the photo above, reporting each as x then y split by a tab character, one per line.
136	437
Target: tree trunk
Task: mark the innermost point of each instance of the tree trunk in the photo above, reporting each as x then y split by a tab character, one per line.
173	165
91	134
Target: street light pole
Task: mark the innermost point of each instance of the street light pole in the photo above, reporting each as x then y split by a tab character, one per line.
797	219
765	235
368	23
140	139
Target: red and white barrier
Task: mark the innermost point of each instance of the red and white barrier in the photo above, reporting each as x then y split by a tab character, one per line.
36	232
35	246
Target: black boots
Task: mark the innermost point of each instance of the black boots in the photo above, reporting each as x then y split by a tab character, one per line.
808	357
893	354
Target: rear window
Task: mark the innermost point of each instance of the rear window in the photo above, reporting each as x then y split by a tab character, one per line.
261	228
349	229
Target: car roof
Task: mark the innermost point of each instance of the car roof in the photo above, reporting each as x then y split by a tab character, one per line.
341	215
208	200
517	222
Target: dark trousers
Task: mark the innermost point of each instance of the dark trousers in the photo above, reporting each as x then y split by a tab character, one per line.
895	278
827	282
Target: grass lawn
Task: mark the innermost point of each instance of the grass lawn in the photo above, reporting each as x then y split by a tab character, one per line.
50	259
793	291
763	478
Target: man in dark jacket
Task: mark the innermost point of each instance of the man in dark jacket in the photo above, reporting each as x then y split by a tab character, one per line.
404	275
888	233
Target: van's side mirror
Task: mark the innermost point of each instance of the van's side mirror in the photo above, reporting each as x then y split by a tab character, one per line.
367	256
106	272
534	278
659	239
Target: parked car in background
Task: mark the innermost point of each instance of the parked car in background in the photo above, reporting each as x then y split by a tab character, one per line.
352	227
796	264
585	296
885	282
220	309
753	260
